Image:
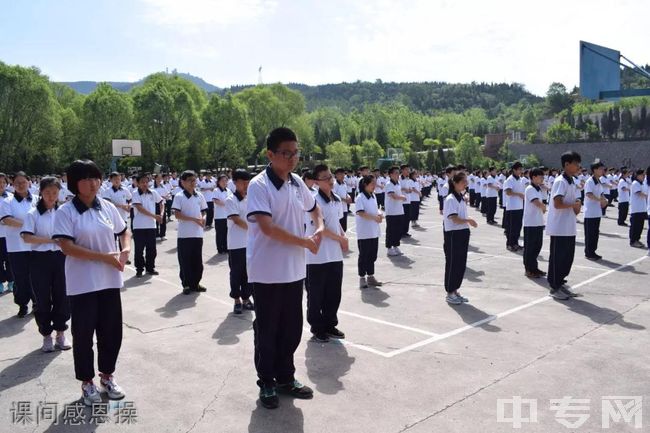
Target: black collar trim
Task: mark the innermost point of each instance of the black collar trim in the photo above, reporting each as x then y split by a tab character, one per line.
188	195
458	197
238	195
275	179
81	206
368	196
40	206
116	189
568	178
146	191
328	198
19	198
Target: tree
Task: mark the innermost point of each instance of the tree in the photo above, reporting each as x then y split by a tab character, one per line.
529	120
339	155
468	150
371	151
557	98
561	133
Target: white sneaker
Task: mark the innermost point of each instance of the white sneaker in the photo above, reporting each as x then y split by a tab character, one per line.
48	345
392	251
399	252
453	299
111	387
90	394
362	283
462	298
372	281
62	342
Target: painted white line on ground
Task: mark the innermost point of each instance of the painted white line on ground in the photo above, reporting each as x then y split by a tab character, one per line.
504	313
384	322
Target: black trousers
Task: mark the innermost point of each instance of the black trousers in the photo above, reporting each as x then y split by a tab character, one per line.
168	209
5	267
161	228
637	220
592	231
209	214
478	200
100	314
344	222
472	197
380	199
221	234
515	221
52	307
441	202
491	208
609	201
323	295
504	220
500	194
533	239
239	286
415	210
456	244
623	209
190	261
277	330
367	256
22	283
560	259
406	223
144	241
394	230
484	202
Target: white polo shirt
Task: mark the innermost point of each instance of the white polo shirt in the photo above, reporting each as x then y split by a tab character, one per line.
220	212
381	184
207	187
415	196
236	205
440	183
341	190
366	229
623	196
533	216
471	180
15	207
454	205
591	207
491	192
515	185
190	205
40	222
330	250
267	260
163	191
637	202
119	196
3	229
406	183
93	228
148	200
605	180
562	222
393	206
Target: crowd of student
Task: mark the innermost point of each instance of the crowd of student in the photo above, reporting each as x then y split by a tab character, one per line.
64	241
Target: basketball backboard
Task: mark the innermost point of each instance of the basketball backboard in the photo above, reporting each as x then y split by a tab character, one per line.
127	148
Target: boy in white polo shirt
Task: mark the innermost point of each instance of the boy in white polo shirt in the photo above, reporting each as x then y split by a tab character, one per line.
236	209
514	190
564	205
277	200
534	209
394	212
325	268
120	197
638	197
189	208
144	201
595	201
623	189
491	195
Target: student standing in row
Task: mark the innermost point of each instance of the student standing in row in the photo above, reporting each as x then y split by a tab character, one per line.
277	200
47	268
514	191
207	187
491	195
456	238
380	182
368	219
414	198
394	212
149	211
325	267
236	209
189	208
638	197
86	228
5	267
623	188
407	188
161	208
595	201
647	189
120	197
564	206
221	193
534	210
341	190
13	212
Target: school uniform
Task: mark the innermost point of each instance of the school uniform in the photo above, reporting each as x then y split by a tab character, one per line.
163	192
168	196
561	227
394	215
405	183
47	273
277	271
93	287
514	210
207	187
236	205
606	183
637	210
623	200
533	221
443	190
471	180
144	229
120	196
380	190
18	207
491	196
592	215
325	269
484	200
221	219
5	267
456	241
341	190
414	200
501	178
190	238
368	233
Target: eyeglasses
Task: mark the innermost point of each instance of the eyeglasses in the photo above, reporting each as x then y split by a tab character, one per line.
325	179
288	155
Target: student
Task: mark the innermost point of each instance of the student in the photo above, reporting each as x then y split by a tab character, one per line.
340	189
456	238
149	211
407	188
564	206
325	267
623	189
380	181
534	210
638	197
275	260
368	219
491	195
221	193
13	212
161	208
207	187
414	197
514	200
47	268
5	267
394	212
189	208
236	205
85	229
168	198
595	201
605	181
120	197
442	187
647	188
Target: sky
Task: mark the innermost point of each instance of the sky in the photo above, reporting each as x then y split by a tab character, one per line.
318	42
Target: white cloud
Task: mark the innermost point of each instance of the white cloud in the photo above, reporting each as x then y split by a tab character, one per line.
179	14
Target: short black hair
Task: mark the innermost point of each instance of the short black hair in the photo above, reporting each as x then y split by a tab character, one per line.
363	167
339	170
537	171
48	181
403	166
79	170
187	174
449	169
639	172
569	157
596	166
141	176
365	181
114	174
308	174
516	165
492	168
279	135
318	170
393	169
241	175
20	174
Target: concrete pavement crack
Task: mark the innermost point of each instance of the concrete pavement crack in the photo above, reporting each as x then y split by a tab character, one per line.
216	396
